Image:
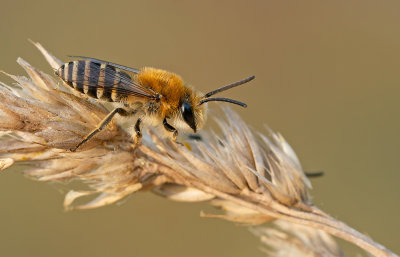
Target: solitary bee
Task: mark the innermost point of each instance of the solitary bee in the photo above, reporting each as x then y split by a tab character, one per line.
150	96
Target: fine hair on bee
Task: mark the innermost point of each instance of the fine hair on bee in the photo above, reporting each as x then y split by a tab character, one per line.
149	96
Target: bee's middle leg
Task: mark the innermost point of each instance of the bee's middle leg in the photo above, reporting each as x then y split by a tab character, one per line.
137	130
169	128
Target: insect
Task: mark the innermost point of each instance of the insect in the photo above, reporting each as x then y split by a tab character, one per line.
150	96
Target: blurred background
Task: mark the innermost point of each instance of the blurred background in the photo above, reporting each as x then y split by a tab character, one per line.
327	78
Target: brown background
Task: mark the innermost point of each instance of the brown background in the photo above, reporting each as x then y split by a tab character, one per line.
327	79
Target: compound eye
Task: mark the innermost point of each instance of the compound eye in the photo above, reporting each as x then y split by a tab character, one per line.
188	116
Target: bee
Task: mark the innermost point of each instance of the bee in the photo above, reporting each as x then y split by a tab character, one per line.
149	96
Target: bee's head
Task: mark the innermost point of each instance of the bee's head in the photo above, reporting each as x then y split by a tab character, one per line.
193	111
188	115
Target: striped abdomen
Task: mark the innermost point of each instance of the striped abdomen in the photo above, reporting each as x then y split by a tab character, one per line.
100	81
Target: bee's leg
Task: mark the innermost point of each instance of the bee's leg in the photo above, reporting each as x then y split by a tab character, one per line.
101	126
169	128
137	130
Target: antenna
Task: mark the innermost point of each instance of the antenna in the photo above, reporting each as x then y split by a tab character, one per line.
223	100
235	84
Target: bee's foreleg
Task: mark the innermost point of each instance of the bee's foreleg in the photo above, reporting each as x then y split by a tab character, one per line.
101	126
137	130
169	128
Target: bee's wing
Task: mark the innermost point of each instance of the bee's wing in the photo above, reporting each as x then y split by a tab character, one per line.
122	67
111	77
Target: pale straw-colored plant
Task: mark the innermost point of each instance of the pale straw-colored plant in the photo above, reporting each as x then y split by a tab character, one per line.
288	239
252	177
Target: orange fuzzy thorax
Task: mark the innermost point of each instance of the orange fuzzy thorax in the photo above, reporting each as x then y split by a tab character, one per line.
169	85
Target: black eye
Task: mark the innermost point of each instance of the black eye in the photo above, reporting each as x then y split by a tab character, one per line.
187	113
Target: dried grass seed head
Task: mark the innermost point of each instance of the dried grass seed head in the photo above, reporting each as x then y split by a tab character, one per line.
42	118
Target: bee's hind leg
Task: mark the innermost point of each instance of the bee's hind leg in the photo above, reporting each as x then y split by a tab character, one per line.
169	128
101	126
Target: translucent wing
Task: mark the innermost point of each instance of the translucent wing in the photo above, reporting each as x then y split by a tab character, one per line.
122	67
108	76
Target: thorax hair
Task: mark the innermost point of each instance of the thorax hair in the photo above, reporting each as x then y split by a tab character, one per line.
169	85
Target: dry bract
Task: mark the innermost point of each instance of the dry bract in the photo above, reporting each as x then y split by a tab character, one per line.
287	239
253	178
